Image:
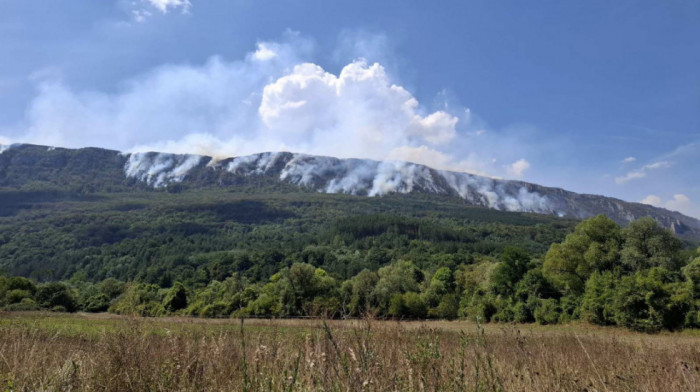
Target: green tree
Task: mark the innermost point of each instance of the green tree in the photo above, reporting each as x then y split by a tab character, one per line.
597	305
362	286
548	311
513	265
646	301
140	299
692	274
593	246
176	298
56	295
396	278
649	245
440	284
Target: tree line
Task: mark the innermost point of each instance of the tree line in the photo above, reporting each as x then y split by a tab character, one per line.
639	277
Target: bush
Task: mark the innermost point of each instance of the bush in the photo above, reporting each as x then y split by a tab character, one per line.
482	307
548	312
96	303
26	304
16	296
646	302
447	309
176	298
523	313
414	305
216	310
52	295
597	304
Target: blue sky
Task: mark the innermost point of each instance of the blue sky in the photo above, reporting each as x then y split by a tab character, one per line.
597	97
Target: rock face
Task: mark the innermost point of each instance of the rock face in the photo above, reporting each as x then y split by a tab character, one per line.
97	169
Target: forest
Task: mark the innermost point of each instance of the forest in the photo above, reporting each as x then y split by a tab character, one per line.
262	253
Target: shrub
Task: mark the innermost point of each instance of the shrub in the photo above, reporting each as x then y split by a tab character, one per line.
216	310
51	295
548	312
597	303
646	302
26	304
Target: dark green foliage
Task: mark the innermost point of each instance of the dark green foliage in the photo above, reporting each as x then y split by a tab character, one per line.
547	311
593	246
649	245
176	298
597	306
252	250
647	301
141	300
513	265
56	295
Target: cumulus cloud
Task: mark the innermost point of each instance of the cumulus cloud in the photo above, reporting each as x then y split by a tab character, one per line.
642	172
629	160
359	110
679	202
652	200
517	169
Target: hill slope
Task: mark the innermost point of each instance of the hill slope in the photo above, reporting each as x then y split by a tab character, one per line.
90	170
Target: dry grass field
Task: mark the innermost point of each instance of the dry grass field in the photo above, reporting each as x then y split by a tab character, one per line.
59	352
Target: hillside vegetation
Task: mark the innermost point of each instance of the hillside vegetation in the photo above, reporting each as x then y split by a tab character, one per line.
77	234
262	252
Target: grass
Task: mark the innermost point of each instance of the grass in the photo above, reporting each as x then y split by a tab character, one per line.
45	351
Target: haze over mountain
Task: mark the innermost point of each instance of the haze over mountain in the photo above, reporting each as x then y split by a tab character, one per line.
580	104
40	167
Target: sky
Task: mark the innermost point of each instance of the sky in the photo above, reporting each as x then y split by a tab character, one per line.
595	97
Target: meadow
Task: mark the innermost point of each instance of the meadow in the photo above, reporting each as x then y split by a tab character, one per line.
104	352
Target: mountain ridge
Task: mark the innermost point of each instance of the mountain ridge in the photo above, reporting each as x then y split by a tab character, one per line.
27	165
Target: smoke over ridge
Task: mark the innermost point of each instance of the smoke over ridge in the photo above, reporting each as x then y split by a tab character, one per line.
347	176
159	169
274	99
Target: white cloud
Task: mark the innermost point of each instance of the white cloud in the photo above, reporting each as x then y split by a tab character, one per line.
359	111
679	202
642	172
264	52
652	200
140	16
141	11
517	169
629	160
165	5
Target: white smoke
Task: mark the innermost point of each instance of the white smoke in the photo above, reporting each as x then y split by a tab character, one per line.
272	100
158	169
276	100
378	178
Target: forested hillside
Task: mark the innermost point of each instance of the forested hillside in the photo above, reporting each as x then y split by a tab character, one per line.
88	238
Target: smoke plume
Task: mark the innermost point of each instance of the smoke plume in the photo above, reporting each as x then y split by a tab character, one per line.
274	99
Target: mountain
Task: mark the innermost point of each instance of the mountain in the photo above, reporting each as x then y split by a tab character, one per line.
90	170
